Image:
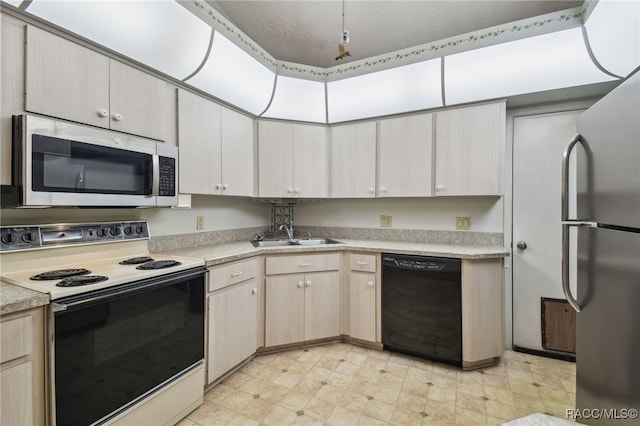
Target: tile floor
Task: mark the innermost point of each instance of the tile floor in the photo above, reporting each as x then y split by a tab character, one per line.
343	384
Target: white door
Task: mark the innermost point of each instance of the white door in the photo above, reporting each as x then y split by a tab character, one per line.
538	143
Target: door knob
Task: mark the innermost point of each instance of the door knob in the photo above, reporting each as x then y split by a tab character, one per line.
521	245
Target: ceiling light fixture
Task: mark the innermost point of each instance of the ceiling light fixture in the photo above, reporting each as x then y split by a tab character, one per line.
342	51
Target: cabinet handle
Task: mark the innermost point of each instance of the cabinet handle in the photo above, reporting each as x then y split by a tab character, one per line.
362	263
117	117
304	265
371	190
370	284
383	189
297	190
225	186
254	291
439	187
300	284
236	274
102	113
290	190
219	186
308	283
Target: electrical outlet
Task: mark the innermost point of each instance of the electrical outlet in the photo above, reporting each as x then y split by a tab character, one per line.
199	222
385	221
463	222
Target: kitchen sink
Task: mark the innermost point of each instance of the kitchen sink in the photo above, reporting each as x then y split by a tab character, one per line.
295	242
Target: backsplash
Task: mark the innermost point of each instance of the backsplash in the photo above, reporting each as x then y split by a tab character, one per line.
408	235
172	242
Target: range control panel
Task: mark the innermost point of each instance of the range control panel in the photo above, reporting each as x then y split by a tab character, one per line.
13	238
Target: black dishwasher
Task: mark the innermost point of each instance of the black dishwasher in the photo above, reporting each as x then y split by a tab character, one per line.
422	307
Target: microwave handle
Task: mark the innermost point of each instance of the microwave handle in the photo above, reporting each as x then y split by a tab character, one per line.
155	183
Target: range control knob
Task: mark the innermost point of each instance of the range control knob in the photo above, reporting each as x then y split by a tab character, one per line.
139	229
102	232
29	237
128	230
9	238
115	231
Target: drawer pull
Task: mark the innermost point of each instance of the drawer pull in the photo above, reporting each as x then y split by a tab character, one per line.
254	291
300	284
370	284
236	274
308	283
304	265
362	263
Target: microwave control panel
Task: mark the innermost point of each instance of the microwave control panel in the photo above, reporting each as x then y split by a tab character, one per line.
167	177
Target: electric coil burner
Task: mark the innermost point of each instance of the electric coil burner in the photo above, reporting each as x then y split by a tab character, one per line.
136	260
158	264
79	280
59	274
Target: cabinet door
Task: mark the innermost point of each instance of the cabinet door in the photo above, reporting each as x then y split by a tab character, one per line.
16	404
66	80
141	104
233	327
11	87
275	159
353	161
405	156
199	142
310	161
238	154
322	305
284	309
362	306
470	150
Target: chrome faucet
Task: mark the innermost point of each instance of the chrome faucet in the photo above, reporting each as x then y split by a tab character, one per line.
289	230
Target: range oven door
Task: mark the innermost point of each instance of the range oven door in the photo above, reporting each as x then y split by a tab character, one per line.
115	347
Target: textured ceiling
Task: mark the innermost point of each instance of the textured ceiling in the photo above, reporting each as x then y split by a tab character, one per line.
308	32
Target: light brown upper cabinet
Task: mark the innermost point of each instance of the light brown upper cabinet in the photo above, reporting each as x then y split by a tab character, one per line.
292	160
469	155
404	156
353	160
216	148
72	82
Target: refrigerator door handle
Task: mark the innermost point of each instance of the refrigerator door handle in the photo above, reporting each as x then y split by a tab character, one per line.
568	223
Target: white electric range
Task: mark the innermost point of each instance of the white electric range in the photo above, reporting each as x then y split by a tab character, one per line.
126	327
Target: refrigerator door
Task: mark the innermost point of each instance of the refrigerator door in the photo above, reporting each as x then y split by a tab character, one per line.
608	184
608	326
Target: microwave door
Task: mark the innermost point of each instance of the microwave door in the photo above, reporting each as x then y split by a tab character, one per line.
66	172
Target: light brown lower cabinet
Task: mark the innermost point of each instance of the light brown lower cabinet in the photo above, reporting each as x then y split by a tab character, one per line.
22	368
232	309
482	312
364	286
302	306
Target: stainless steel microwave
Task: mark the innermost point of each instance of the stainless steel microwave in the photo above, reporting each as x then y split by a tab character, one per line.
57	163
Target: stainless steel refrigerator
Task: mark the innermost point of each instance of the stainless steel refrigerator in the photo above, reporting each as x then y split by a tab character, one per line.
607	150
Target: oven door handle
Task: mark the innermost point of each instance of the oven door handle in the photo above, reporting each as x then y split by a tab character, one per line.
161	281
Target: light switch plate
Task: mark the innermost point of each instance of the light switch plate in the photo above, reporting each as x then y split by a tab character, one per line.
199	222
463	222
385	221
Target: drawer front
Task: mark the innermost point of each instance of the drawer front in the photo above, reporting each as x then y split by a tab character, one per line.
363	262
17	338
232	273
302	263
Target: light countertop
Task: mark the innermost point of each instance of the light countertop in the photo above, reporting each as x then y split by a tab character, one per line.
14	298
226	252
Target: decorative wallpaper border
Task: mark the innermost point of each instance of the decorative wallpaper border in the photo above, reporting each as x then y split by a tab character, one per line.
499	34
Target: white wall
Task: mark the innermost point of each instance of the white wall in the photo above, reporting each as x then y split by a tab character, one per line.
219	213
438	214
